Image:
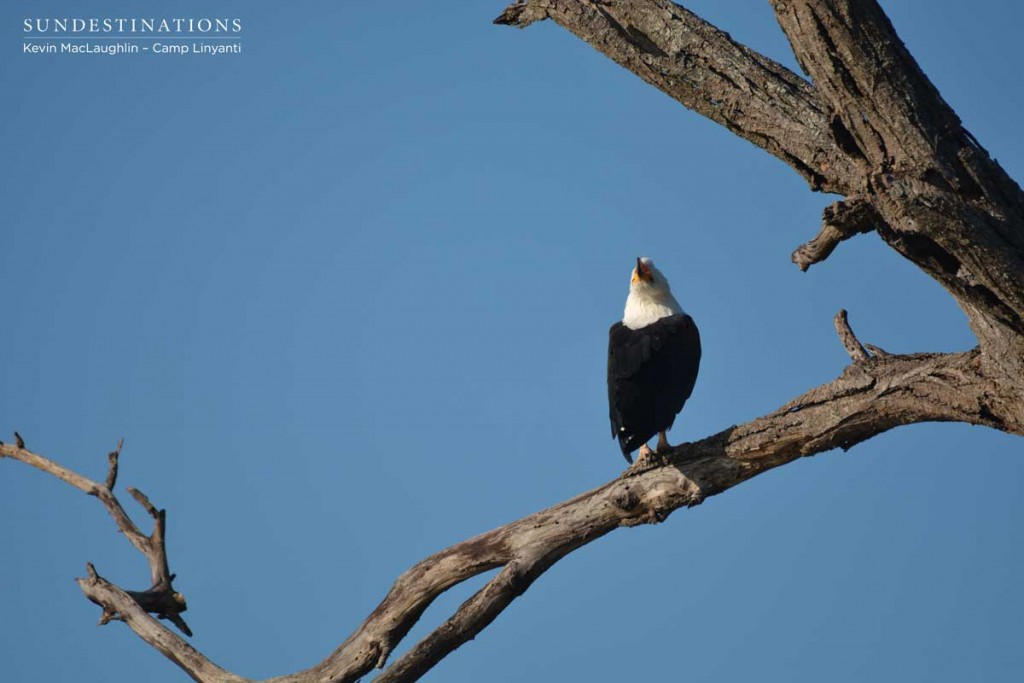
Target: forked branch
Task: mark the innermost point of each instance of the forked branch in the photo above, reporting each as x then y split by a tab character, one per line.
125	606
160	598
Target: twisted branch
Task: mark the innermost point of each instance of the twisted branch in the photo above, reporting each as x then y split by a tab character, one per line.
702	67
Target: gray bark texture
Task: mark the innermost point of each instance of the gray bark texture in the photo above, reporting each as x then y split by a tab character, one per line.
866	124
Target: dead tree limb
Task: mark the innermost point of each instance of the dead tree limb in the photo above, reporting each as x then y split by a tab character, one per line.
854	349
839	221
160	598
870	397
707	71
128	608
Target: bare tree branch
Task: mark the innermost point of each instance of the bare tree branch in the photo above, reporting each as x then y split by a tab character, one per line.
471	618
887	114
112	462
870	397
160	598
123	606
840	221
850	342
703	68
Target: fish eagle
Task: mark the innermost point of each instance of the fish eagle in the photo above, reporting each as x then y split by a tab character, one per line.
653	358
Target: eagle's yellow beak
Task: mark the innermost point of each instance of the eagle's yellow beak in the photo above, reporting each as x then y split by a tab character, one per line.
641	272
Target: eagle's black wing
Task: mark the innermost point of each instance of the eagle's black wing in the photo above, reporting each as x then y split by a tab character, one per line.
651	373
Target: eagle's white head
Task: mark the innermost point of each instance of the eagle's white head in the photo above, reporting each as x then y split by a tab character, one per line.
650	298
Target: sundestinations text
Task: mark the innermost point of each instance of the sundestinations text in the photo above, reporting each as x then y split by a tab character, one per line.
130	25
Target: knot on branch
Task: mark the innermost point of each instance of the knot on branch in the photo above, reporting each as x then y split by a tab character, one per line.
840	221
626	500
516	575
382	650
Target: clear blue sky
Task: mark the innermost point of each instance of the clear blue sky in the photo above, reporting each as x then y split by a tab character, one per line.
346	296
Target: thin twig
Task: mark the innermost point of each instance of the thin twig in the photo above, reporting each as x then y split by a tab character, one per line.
850	342
112	459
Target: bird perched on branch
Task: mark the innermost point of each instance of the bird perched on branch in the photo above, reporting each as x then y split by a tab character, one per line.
653	358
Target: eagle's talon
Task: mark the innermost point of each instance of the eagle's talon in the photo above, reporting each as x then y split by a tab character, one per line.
663	446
